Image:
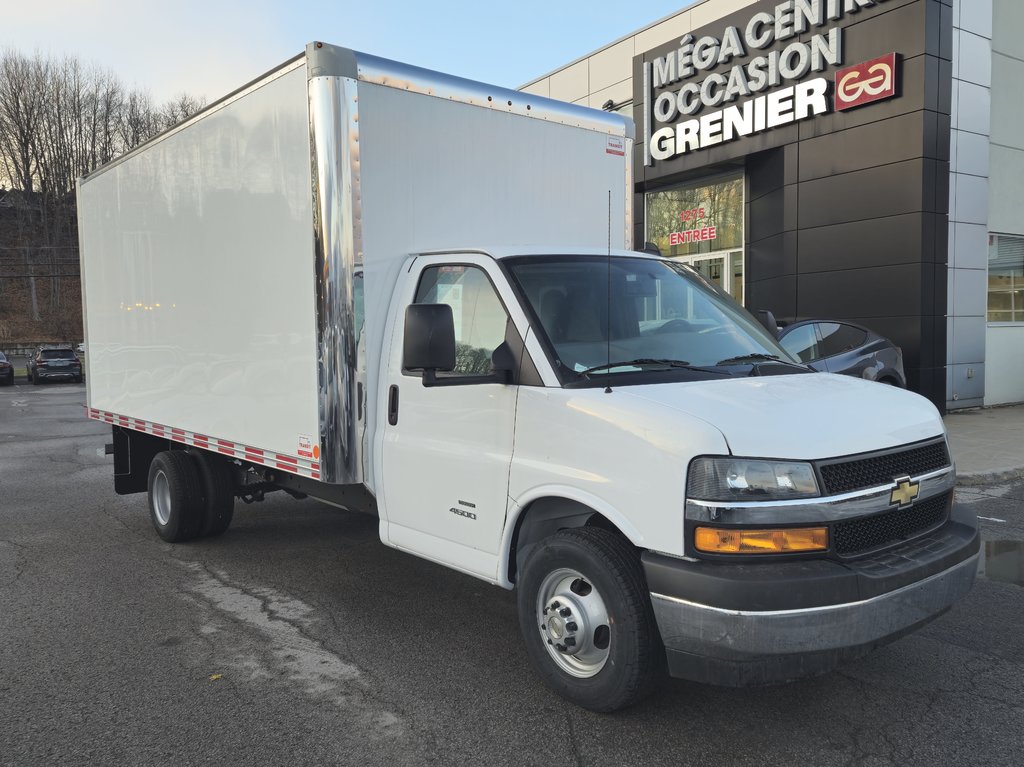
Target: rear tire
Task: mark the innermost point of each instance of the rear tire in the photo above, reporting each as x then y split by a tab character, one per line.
218	489
175	496
586	585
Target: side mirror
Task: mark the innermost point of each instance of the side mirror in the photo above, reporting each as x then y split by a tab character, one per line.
429	339
766	318
504	362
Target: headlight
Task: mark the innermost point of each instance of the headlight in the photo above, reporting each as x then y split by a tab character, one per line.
749	479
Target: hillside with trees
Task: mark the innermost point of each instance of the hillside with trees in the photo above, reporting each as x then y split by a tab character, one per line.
59	120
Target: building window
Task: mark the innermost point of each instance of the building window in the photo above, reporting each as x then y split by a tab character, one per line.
701	224
1005	278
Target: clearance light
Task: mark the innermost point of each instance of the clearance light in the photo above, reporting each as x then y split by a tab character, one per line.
716	540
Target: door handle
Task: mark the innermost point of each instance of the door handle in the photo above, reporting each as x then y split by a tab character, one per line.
393	405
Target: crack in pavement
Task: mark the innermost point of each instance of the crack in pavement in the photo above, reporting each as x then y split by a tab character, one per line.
291	650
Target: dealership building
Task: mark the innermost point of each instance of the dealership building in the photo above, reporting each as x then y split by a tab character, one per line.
846	159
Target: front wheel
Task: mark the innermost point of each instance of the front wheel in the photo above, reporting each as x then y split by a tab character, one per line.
586	615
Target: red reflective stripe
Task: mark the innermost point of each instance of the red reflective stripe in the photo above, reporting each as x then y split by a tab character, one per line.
315	475
253	451
288	459
225	443
225	450
177	432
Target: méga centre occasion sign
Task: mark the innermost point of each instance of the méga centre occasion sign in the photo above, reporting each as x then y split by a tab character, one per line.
695	107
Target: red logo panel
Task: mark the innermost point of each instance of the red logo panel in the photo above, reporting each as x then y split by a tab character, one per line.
863	83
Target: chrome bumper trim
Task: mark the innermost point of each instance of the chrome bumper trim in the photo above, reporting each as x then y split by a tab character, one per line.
737	635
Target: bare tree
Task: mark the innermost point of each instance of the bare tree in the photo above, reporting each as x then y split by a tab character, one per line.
22	100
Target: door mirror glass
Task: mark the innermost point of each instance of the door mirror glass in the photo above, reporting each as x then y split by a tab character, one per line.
429	338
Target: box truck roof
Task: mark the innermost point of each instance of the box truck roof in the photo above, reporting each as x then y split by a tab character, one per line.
324	60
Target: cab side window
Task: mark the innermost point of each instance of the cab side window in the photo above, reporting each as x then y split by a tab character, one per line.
480	318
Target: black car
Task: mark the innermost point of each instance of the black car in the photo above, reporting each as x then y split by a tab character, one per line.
54	363
844	347
6	371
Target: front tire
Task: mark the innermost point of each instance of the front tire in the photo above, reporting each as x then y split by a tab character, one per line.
175	496
586	616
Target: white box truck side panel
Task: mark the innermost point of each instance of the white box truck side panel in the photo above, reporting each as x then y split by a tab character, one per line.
198	256
436	174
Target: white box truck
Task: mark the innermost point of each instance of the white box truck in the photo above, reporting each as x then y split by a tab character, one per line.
411	295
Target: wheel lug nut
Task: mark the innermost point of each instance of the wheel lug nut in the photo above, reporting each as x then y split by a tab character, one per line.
560	647
570	642
571	626
555	605
549	641
565	612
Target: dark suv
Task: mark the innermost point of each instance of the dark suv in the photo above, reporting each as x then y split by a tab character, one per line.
6	371
54	362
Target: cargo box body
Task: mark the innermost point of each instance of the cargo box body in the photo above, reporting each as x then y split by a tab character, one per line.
237	270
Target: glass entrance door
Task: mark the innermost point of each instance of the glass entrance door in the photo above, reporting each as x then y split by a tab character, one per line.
722	269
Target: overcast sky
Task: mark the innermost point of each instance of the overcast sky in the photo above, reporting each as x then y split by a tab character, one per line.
210	47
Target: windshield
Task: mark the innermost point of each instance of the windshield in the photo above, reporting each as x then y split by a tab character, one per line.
662	315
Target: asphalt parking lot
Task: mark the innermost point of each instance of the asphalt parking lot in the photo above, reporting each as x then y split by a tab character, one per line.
297	638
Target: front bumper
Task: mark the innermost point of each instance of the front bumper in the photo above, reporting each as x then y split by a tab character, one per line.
739	624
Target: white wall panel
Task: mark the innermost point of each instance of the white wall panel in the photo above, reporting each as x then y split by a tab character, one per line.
1005	382
974	63
974	16
1006	211
969	195
973	107
969	246
611	65
1008	106
971	154
970	292
572	83
1007	23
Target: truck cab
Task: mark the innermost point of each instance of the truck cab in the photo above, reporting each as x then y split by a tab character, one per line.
614	437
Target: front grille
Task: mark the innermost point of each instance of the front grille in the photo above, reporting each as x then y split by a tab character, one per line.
869	533
882	468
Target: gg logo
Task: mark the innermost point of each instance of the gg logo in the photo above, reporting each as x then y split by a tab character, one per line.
871	81
851	87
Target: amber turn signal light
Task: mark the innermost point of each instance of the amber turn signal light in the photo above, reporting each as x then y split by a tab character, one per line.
723	541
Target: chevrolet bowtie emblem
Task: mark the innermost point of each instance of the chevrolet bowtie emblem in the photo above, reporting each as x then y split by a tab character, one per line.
904	493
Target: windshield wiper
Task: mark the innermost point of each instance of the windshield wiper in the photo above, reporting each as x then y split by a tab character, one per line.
668	363
755	357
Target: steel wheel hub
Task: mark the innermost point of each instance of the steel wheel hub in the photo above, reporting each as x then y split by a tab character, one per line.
573	623
162	497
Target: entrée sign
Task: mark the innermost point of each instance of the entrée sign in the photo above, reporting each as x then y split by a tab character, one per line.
667	103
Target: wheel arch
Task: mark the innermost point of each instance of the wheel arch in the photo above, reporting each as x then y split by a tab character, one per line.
547	510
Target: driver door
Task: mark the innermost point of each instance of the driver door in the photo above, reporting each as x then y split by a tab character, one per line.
447	449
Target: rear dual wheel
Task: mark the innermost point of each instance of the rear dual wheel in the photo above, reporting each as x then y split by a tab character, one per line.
191	495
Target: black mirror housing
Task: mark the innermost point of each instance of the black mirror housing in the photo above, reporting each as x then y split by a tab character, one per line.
429	338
